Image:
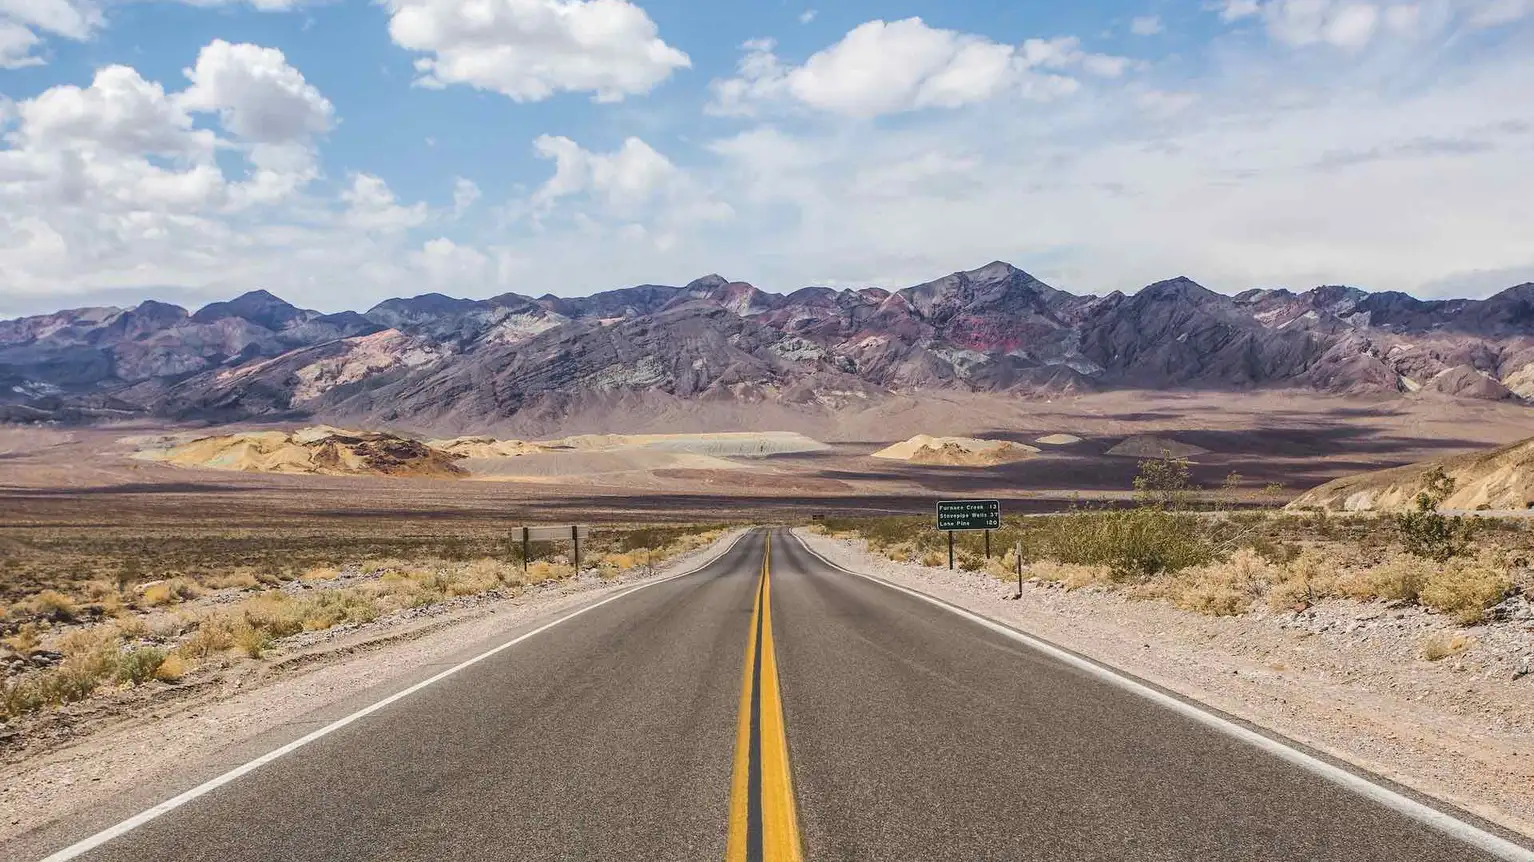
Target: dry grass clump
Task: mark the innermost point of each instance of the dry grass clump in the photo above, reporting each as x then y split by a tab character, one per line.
172	669
53	605
242	580
101	590
169	592
24	641
1073	576
543	571
213	635
322	573
1442	645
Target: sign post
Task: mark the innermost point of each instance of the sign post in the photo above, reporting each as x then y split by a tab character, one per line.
955	515
557	533
1019	568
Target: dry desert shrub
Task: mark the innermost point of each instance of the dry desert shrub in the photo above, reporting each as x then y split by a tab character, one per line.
933	559
1133	543
543	571
100	590
1303	581
139	665
274	613
242	580
53	605
169	592
1399	578
1464	589
24	641
172	669
213	635
1221	589
251	641
1073	576
321	573
1441	645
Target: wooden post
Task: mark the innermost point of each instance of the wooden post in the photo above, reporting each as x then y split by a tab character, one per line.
1019	568
527	547
988	545
950	550
575	536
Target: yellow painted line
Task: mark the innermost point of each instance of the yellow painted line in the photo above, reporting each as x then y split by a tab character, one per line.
740	790
780	825
763	822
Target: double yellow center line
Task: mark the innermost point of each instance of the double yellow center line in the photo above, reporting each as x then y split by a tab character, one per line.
763	825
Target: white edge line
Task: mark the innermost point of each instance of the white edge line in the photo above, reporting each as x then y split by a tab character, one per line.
86	845
1448	824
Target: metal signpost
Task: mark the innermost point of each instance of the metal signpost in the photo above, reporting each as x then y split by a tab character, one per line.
955	515
573	532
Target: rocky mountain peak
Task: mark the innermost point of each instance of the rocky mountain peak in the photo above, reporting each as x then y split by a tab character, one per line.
991	329
257	306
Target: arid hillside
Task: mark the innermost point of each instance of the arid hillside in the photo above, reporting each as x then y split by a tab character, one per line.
1499	480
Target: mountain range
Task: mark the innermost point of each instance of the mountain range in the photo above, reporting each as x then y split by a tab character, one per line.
432	359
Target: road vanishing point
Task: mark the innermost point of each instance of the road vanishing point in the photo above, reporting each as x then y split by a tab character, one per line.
770	706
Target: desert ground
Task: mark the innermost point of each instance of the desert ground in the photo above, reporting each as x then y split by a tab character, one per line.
1297	440
179	544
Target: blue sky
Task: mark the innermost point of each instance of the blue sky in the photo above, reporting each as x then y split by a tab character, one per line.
338	153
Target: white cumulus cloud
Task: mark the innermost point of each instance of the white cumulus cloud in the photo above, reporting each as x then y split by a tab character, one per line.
257	95
634	188
883	68
529	50
1146	25
371	205
465	194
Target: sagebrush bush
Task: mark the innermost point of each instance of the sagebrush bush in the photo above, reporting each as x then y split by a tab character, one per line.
1225	588
251	640
139	665
1303	581
1132	543
214	634
1399	578
1464	589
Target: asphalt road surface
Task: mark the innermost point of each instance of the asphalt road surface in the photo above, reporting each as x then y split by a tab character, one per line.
652	728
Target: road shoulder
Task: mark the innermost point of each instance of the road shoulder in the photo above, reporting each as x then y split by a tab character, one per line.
1470	747
156	749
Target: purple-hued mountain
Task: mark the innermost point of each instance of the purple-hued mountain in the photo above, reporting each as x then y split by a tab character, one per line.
998	329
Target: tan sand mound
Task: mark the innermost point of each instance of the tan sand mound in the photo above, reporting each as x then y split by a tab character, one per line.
1145	446
320	450
734	444
1059	440
486	447
1501	480
956	451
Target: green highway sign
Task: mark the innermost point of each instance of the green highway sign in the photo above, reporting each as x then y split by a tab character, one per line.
969	515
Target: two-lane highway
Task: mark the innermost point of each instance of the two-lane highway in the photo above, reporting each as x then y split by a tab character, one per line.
769	706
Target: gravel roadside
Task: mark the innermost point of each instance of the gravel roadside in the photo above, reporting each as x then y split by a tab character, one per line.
133	752
1344	678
